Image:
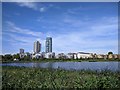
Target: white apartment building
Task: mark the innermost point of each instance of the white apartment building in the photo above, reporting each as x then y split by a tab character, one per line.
37	56
50	55
70	56
100	56
83	55
60	55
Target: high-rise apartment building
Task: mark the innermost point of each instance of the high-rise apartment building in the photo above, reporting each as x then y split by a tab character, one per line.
48	44
21	51
37	47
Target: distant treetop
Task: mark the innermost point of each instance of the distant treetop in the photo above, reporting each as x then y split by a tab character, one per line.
110	53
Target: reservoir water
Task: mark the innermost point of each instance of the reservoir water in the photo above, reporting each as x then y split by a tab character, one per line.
95	66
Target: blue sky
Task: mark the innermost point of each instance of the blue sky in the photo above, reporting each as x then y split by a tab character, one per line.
74	27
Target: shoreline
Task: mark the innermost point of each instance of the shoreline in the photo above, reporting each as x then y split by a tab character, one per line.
63	60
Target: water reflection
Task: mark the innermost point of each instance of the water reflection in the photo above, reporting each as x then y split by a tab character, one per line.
97	66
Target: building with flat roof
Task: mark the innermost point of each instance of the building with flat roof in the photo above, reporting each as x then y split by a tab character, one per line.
80	55
48	44
37	47
50	55
21	51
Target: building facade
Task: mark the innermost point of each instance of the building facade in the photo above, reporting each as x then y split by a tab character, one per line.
48	44
60	56
50	55
100	56
28	55
37	47
70	56
21	53
110	56
37	56
80	55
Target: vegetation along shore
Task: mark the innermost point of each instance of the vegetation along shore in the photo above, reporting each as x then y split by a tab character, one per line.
21	77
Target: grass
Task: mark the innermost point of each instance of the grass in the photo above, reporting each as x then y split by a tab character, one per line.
21	77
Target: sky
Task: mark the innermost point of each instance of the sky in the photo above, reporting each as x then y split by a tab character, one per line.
74	26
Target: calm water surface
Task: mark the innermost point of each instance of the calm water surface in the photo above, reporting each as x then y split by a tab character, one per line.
96	66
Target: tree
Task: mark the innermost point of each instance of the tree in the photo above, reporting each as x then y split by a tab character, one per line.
110	53
1	57
17	56
26	57
7	57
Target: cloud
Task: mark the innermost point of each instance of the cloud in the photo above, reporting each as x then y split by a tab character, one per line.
38	6
15	29
98	36
71	34
28	4
42	9
75	42
33	5
18	41
19	37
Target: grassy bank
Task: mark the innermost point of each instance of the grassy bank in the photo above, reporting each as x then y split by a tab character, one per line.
21	77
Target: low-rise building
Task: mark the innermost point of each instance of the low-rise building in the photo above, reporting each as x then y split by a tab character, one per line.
28	55
60	55
115	56
118	56
75	56
43	54
83	55
37	56
70	56
22	55
50	55
105	56
100	56
110	56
